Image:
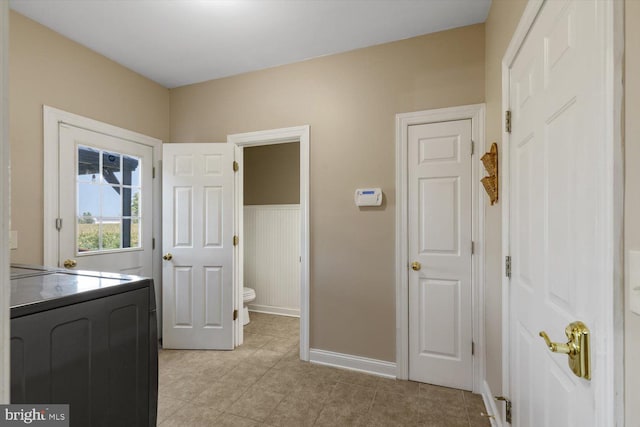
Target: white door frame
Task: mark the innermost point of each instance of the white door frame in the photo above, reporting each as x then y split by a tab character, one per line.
477	115
5	205
279	136
612	309
51	118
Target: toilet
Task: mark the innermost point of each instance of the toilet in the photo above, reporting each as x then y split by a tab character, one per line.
248	295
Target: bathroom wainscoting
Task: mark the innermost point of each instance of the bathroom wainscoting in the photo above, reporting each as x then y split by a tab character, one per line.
272	257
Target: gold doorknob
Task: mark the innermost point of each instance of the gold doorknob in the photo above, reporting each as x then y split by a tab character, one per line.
69	263
415	265
578	348
167	256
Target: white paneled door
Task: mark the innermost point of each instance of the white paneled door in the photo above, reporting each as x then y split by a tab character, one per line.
561	237
198	251
440	302
105	214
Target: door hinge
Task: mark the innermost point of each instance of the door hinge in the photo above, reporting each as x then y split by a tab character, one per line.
473	348
507	406
473	247
235	314
236	166
153	243
153	172
507	121
236	240
58	224
507	266
472	147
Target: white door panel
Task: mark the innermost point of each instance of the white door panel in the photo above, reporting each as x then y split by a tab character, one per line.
440	321
105	202
198	190
556	237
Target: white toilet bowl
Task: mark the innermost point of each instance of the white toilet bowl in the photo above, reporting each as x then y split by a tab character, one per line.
248	295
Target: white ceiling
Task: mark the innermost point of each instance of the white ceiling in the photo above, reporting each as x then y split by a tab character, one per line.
179	42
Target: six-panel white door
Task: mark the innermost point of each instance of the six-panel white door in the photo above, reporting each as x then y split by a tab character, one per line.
440	312
197	276
560	235
105	203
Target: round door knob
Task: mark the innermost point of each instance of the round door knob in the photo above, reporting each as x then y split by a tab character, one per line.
415	265
69	263
167	257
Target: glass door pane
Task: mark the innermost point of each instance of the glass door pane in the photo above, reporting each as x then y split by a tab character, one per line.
108	195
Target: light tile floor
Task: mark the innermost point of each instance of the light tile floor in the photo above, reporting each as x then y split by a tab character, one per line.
263	383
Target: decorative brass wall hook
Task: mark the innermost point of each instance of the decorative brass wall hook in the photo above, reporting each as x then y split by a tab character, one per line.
490	183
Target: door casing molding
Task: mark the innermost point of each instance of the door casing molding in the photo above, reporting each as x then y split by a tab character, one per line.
5	206
613	305
476	113
51	118
299	134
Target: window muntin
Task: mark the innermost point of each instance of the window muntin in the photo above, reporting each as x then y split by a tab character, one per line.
108	194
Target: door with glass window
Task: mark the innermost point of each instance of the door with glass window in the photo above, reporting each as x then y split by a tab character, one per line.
105	203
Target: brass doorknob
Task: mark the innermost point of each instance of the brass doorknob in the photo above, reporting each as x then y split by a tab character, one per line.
167	256
69	263
578	348
415	265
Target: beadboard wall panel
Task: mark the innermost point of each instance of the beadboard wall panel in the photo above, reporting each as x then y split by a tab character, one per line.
272	257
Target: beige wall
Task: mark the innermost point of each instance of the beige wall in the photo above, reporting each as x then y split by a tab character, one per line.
272	174
632	202
501	23
47	68
350	101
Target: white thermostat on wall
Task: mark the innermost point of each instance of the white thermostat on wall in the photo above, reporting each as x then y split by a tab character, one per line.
368	197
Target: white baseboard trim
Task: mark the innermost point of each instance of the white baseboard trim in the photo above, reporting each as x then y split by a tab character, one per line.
353	363
291	312
490	404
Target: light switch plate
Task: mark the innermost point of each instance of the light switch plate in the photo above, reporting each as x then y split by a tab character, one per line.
13	240
634	281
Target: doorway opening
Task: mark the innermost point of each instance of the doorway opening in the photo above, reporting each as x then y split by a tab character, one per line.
279	140
271	221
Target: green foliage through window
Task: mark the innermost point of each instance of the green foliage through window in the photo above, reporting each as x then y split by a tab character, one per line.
89	236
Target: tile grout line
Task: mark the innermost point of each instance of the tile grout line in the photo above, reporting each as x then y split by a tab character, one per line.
375	394
173	412
240	397
329	380
278	404
324	404
466	408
